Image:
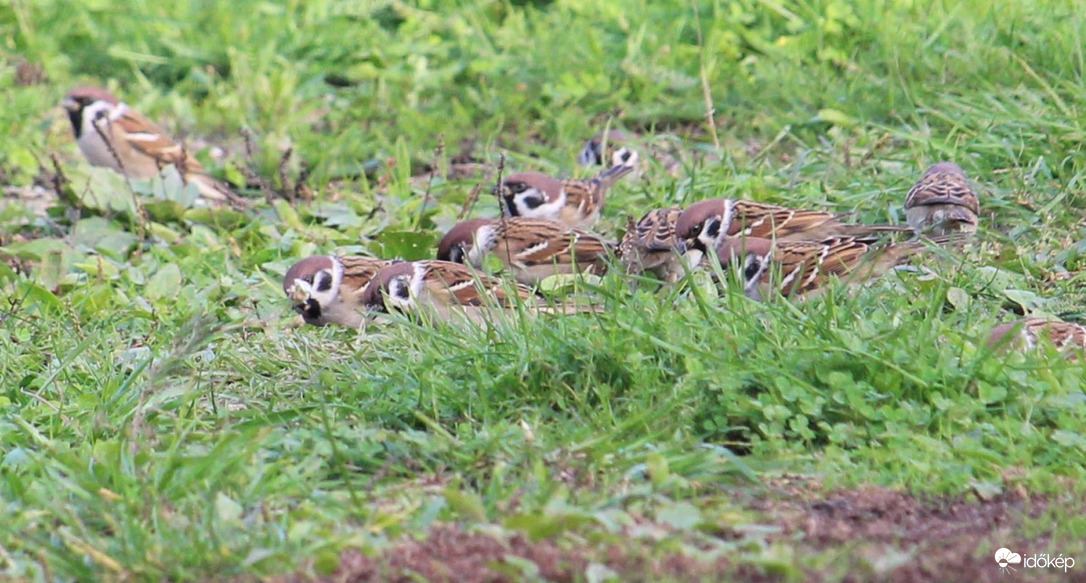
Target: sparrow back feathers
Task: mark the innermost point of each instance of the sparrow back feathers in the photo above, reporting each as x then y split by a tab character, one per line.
942	202
532	249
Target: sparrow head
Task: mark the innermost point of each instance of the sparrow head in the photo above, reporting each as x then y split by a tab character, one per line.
1009	335
945	168
752	254
312	285
625	157
701	225
391	287
601	147
522	194
81	98
467	242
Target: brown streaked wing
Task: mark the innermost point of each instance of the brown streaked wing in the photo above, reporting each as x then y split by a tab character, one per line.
150	140
755	219
943	188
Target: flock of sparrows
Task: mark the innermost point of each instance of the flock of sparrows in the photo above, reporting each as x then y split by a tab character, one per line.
545	229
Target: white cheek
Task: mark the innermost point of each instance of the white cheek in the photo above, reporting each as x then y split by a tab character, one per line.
547	210
397	288
483	244
96	126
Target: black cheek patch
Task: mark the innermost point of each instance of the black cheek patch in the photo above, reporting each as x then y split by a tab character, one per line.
754	265
324	283
456	255
76	117
533	202
712	228
403	292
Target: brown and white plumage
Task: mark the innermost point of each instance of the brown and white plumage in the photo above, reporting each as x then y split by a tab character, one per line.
443	291
327	289
532	249
942	202
1029	333
111	134
577	203
653	245
705	225
601	150
802	268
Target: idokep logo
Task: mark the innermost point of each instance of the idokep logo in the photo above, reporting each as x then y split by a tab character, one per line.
1005	558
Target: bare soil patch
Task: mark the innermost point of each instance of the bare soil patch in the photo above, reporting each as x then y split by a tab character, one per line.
868	534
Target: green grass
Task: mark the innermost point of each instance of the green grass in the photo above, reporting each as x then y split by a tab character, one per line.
162	418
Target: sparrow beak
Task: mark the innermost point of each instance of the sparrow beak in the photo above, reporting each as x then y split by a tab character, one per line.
70	104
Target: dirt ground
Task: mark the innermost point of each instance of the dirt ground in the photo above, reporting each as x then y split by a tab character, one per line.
870	534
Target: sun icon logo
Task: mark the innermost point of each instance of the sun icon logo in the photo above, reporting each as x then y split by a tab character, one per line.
1005	558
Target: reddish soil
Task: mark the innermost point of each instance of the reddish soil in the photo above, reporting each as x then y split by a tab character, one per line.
869	534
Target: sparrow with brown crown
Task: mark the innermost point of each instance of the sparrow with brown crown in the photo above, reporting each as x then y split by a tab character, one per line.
443	291
110	133
327	289
576	203
705	225
805	268
532	249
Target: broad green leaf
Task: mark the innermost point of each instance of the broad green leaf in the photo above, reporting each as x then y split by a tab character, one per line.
165	283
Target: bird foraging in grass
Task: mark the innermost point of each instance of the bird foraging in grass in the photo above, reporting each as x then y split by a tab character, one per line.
942	202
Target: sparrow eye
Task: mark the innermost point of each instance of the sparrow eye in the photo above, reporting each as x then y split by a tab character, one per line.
516	187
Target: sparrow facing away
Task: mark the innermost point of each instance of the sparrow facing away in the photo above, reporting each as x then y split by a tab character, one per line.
803	268
652	245
576	203
531	248
443	290
705	225
1026	334
327	289
111	134
942	202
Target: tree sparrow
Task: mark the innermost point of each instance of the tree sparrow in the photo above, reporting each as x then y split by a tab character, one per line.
531	248
652	245
1027	334
602	147
942	202
442	291
111	134
705	225
327	289
803	268
576	203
